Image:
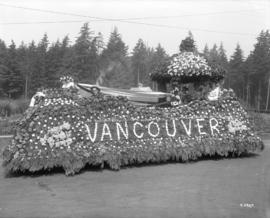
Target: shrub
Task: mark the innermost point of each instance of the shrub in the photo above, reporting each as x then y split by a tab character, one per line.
260	121
9	107
7	124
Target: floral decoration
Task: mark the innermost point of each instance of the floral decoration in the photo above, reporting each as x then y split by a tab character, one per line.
236	125
189	67
57	136
66	79
188	64
54	133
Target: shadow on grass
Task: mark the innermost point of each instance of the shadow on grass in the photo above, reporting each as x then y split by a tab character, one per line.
91	168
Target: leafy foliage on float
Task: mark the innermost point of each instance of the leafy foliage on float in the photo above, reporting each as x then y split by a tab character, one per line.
70	132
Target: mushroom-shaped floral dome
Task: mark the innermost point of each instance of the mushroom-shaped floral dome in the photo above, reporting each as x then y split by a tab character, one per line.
188	64
188	67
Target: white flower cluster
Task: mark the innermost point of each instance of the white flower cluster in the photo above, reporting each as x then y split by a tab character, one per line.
58	136
188	64
59	101
236	125
66	79
35	97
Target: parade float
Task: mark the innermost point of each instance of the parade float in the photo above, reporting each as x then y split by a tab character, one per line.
69	128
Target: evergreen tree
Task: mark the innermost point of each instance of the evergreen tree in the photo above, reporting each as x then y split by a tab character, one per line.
95	58
82	50
116	48
247	69
223	61
55	57
40	65
23	62
56	54
260	70
188	44
85	56
26	68
30	71
160	54
3	69
158	59
115	63
206	52
154	56
14	87
236	75
213	57
99	42
64	49
65	43
67	64
139	62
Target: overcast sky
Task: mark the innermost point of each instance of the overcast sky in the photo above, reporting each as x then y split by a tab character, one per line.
157	21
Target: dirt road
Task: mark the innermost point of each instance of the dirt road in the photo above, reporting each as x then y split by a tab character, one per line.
208	188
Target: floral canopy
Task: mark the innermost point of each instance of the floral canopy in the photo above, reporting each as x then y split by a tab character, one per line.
188	67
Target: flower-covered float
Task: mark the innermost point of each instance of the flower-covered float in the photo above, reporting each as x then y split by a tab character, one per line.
65	129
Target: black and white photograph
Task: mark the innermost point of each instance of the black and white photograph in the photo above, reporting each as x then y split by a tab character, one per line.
134	108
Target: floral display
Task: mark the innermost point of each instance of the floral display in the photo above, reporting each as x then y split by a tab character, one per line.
66	79
57	136
67	131
236	125
187	66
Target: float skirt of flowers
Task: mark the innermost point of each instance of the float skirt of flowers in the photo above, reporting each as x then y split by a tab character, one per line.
70	132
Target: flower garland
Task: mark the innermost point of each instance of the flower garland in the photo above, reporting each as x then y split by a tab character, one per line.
54	133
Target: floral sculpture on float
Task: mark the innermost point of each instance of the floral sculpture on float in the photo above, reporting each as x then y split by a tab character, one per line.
69	131
187	67
190	76
188	64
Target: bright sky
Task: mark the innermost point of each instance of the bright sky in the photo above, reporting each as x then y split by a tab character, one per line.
157	21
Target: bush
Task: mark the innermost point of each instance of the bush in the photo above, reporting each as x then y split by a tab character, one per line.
9	107
7	124
260	121
6	127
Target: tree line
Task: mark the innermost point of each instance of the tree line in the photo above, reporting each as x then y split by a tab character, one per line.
27	67
249	77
